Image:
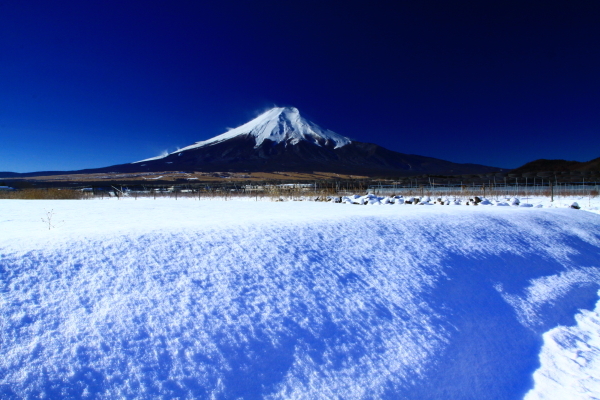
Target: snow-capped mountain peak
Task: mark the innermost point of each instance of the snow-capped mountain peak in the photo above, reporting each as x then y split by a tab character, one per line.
280	139
279	124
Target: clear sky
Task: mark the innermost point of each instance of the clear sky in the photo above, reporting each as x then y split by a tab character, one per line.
87	84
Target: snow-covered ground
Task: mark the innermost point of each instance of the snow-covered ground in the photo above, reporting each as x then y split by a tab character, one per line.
570	360
298	300
587	203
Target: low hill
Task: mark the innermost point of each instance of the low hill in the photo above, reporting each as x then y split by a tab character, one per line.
543	165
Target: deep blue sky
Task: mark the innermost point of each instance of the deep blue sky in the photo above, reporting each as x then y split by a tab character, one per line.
88	84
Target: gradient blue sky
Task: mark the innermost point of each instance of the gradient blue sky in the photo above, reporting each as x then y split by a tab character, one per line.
87	84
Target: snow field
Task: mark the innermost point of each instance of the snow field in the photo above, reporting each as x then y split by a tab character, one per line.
296	300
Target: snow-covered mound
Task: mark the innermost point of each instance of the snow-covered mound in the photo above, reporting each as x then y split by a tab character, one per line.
209	299
570	360
279	124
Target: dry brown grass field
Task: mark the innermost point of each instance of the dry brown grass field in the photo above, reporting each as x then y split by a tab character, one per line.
149	177
43	194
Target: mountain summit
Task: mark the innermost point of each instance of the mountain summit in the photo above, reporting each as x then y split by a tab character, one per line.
282	140
280	125
277	125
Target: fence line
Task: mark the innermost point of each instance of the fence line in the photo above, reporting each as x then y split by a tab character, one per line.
323	188
492	191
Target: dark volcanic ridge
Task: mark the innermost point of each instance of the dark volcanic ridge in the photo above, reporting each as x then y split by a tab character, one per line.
242	154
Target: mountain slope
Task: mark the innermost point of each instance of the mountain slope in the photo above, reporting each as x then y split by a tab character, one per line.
279	124
542	165
281	140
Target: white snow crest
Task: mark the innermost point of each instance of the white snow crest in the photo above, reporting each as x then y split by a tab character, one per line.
163	154
570	361
279	124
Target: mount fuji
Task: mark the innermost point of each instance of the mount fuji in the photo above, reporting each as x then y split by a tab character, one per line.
279	125
282	140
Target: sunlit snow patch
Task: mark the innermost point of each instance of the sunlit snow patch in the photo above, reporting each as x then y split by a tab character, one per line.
570	361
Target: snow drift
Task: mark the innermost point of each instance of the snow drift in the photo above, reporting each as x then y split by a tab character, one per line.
227	300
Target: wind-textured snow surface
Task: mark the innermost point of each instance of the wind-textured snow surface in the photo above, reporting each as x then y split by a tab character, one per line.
295	300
